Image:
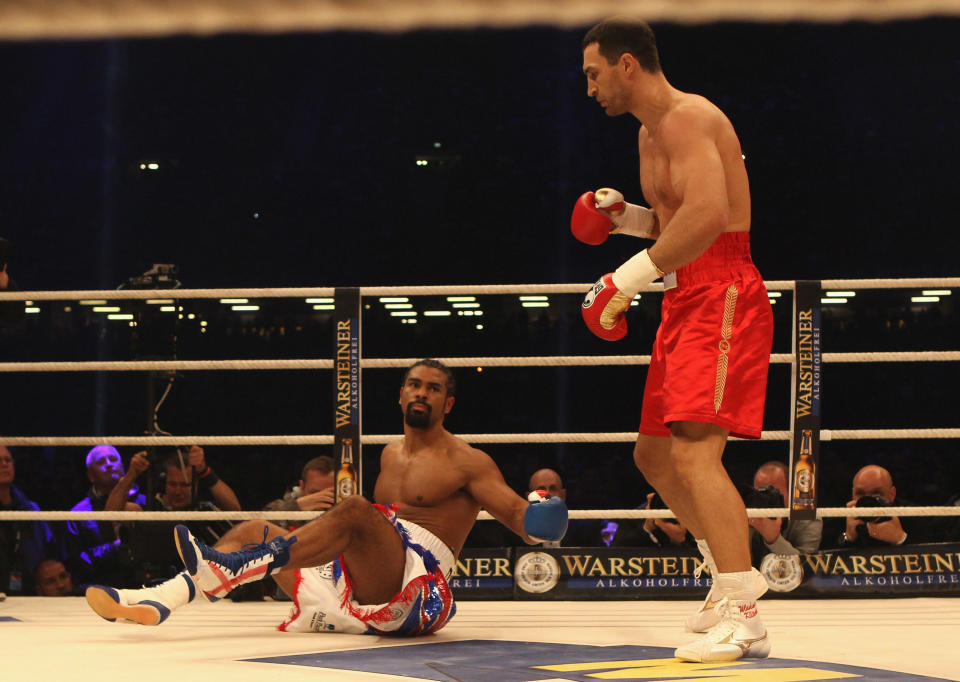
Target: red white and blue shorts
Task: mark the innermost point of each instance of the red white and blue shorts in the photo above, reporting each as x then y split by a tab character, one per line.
323	595
710	358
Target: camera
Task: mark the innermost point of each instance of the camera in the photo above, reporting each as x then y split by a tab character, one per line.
160	276
766	497
873	501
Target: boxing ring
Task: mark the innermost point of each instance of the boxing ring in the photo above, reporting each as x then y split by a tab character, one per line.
61	639
903	638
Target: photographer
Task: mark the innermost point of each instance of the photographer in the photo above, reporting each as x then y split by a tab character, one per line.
95	549
314	492
187	483
873	490
777	535
653	532
178	492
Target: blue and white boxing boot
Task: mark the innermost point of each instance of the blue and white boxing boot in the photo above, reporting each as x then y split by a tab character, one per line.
546	517
146	606
217	573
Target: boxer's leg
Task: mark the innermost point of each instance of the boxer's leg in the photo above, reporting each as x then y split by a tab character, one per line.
372	551
703	483
153	605
703	486
652	457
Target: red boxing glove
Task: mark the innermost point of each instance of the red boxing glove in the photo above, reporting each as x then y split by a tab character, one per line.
603	309
588	224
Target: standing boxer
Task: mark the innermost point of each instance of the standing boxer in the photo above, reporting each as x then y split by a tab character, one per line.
364	568
708	370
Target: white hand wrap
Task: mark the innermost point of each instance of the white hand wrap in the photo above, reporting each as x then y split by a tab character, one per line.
636	272
627	218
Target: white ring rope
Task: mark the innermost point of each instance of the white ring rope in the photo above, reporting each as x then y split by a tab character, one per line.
499	438
163	365
616	437
491	361
297	292
311	292
105	19
823	512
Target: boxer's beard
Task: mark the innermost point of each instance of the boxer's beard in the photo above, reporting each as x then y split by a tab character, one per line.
418	420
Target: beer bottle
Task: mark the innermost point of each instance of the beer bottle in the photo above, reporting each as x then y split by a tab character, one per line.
347	475
804	496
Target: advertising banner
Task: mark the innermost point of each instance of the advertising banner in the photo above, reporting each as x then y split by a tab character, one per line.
590	573
346	392
623	573
894	571
482	574
805	454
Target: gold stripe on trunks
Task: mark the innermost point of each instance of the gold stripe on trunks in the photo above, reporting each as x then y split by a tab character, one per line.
726	331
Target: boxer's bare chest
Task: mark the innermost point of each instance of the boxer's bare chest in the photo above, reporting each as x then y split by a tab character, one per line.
423	479
655	175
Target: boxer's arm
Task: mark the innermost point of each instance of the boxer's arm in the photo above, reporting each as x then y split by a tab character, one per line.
697	178
486	485
627	218
386	490
597	215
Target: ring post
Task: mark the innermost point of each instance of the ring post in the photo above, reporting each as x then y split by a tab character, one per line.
804	467
346	391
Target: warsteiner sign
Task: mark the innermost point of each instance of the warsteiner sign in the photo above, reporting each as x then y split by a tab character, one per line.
615	573
898	570
483	574
649	573
805	453
346	392
607	573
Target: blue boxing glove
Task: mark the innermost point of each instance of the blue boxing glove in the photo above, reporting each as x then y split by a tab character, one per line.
546	517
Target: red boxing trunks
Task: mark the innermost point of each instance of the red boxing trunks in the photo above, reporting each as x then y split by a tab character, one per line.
710	358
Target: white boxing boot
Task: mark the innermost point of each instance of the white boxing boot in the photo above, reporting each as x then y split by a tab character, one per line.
706	616
739	632
146	606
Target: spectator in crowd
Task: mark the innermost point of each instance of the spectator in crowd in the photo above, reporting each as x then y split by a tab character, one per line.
653	532
95	548
178	488
580	532
780	535
549	480
181	490
52	579
314	492
23	544
873	490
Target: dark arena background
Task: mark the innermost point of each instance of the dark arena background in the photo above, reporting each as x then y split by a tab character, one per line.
319	147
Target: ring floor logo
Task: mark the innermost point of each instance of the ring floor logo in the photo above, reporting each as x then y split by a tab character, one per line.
501	661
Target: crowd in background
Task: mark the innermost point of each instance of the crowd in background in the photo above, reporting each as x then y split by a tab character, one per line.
62	558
